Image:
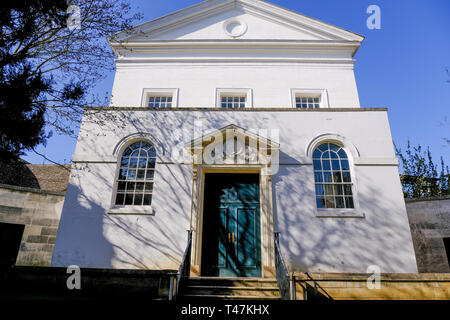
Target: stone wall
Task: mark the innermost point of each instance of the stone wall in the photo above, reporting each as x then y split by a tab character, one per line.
429	220
39	211
352	286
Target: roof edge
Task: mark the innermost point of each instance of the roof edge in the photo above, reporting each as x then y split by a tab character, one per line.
209	5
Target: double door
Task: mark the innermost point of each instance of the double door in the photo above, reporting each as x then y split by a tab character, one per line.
231	226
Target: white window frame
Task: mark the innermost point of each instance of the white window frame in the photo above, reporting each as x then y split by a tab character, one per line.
130	209
310	93
352	153
354	212
149	92
247	92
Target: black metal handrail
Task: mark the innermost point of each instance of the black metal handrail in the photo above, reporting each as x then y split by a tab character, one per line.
281	271
184	270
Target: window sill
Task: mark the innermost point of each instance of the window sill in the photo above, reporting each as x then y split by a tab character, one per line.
131	210
339	213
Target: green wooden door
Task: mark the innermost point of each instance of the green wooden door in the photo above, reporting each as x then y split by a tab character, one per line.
231	226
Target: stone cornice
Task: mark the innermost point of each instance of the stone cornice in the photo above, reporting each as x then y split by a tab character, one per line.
236	42
32	190
215	109
237	50
437	198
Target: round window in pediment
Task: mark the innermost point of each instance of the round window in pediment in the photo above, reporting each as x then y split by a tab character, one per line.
235	27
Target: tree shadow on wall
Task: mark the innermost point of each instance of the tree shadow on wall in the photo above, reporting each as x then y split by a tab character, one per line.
80	240
312	290
295	221
172	186
94	238
334	244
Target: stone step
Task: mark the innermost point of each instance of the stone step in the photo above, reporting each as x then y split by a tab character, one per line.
233	290
241	282
230	288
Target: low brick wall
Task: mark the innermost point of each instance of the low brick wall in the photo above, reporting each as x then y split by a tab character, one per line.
351	286
50	283
39	211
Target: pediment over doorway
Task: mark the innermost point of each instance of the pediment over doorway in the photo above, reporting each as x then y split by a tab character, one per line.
235	145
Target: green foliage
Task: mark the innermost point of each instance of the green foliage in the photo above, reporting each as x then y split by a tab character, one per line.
420	176
21	122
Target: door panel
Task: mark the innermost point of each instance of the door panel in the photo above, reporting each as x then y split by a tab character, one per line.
246	237
222	262
231	232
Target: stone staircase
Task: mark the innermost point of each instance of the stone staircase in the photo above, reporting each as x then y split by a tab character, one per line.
230	288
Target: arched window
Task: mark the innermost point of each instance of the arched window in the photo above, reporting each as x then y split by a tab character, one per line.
137	170
332	177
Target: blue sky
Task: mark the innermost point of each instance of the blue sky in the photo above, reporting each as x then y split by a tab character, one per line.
401	66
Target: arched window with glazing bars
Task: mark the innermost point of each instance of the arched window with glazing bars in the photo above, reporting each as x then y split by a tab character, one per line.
136	174
333	182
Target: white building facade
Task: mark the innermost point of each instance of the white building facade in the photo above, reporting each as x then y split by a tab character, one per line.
235	119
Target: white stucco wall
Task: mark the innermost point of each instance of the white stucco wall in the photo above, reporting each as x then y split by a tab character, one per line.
90	237
211	28
381	238
279	50
190	52
271	85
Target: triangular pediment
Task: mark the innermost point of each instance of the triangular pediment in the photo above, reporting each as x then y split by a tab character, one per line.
235	19
234	145
232	131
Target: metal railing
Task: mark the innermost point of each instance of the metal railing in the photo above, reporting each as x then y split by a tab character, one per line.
281	271
183	271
